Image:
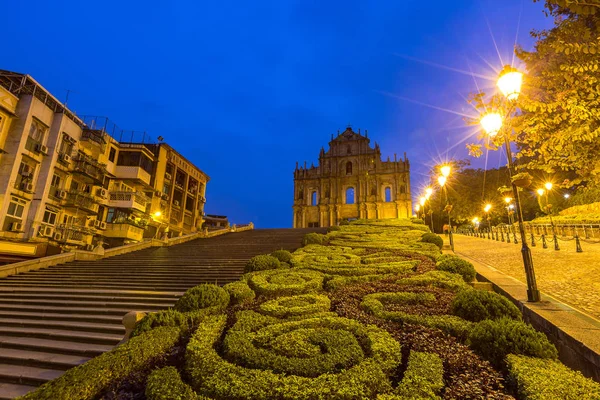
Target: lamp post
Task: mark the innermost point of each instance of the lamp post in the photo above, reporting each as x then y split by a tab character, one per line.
548	208
428	192
509	84
422	201
442	180
507	200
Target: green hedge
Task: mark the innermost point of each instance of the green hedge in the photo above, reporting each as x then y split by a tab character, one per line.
170	317
375	304
261	263
166	384
203	296
285	282
282	255
89	380
424	377
441	279
336	282
433	238
314	238
494	340
295	306
539	379
477	305
221	379
456	265
239	292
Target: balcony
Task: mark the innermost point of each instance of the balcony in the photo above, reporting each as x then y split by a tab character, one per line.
135	200
124	230
132	173
72	234
81	201
89	167
96	137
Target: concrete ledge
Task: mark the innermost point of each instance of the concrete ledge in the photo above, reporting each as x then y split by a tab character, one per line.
38	263
575	334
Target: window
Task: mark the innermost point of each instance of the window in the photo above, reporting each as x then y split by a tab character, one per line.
16	207
49	217
189	204
402	189
350	195
110	215
25	175
37	131
112	154
56	181
388	194
66	145
68	219
349	168
313	199
300	195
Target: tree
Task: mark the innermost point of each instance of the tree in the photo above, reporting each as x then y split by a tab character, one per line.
558	126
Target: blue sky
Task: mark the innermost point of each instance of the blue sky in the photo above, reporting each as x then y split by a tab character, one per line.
246	89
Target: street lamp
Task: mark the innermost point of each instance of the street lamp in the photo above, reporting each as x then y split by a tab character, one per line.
548	209
445	170
509	84
428	192
509	207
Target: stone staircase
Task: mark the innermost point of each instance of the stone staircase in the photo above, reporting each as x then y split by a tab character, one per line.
56	318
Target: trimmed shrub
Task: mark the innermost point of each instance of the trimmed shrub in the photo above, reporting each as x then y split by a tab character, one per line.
203	296
417	221
170	317
424	377
441	279
262	262
538	379
429	237
282	255
239	292
334	228
375	304
166	384
344	222
456	265
221	379
314	238
336	282
285	282
89	380
295	306
477	305
494	340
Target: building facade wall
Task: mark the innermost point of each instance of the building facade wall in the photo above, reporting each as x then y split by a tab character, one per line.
351	182
67	182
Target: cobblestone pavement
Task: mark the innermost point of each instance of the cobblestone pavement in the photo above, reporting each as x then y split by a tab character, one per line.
571	277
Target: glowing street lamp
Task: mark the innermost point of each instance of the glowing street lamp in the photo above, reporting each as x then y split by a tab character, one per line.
509	83
442	181
487	208
540	191
548	186
422	201
157	214
445	170
566	195
428	192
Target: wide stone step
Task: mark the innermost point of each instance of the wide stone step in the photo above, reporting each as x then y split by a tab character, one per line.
40	359
44	284
54	346
75	310
11	390
116	328
77	291
62	334
34	315
82	304
22	374
89	297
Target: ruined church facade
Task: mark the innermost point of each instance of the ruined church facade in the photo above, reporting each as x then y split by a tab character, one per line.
351	182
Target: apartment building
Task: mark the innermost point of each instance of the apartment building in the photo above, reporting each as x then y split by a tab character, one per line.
71	182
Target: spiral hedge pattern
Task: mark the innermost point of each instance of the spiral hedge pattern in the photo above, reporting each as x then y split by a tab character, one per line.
296	306
367	362
284	282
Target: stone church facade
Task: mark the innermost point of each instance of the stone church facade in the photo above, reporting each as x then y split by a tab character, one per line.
351	182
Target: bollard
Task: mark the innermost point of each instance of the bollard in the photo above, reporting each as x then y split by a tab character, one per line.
578	244
585	233
497	237
507	236
532	240
544	244
515	236
488	234
555	242
502	233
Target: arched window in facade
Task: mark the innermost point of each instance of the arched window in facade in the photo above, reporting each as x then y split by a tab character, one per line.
350	195
313	198
388	194
349	168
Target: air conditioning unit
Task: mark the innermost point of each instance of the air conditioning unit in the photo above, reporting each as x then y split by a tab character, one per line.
27	187
176	203
64	157
57	236
165	196
61	194
91	223
46	231
102	225
97	223
168	176
89	247
158	193
16	226
102	193
40	148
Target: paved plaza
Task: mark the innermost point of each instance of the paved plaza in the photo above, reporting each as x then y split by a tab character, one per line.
568	276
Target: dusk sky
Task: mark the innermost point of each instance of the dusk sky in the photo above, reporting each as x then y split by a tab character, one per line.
246	89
